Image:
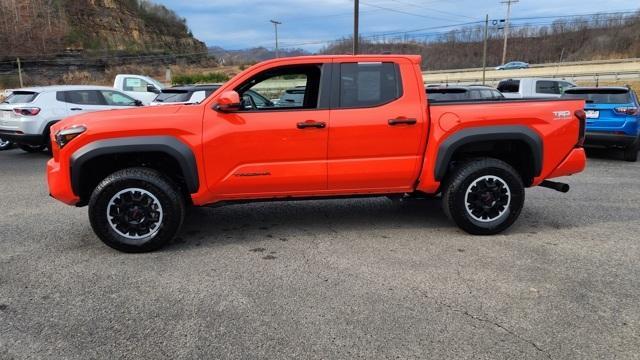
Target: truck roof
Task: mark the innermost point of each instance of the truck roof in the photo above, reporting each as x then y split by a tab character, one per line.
417	59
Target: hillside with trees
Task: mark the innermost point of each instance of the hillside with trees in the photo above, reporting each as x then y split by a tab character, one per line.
50	27
596	37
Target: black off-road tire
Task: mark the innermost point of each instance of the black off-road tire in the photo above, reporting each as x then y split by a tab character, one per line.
166	193
631	152
488	171
32	148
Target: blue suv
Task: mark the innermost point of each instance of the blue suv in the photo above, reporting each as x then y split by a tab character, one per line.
613	118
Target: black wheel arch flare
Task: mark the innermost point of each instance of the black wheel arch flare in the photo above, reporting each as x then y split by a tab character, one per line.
451	144
168	145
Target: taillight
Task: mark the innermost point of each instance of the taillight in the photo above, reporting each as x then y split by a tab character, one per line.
582	117
626	110
32	111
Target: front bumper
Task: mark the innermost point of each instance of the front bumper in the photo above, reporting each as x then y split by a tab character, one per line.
59	181
604	139
21	138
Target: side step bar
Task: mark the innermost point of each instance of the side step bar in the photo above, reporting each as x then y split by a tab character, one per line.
558	186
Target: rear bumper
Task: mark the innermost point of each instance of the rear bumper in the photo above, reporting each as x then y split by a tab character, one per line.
21	138
60	183
608	139
574	163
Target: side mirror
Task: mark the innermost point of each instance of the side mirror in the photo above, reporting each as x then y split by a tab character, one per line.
138	103
152	89
228	101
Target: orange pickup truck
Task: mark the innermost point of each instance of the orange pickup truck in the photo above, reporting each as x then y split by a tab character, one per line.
312	127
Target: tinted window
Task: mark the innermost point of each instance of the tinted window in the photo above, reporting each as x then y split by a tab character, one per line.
369	84
509	86
548	87
114	98
438	95
21	97
81	97
291	87
603	96
171	96
497	94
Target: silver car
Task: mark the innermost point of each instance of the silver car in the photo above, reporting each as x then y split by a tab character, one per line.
27	114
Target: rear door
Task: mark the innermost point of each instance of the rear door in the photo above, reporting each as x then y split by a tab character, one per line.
376	123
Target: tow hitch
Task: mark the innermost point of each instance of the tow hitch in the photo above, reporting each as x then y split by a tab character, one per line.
558	186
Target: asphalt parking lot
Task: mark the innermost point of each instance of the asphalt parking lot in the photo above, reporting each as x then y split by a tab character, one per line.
343	279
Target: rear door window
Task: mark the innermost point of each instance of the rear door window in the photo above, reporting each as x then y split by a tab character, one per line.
369	84
21	97
82	97
548	87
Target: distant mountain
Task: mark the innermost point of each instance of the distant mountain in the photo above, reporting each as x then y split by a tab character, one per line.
250	56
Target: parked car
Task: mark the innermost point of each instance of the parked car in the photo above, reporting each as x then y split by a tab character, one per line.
292	97
139	87
523	88
362	129
188	94
463	93
27	115
613	118
5	144
513	65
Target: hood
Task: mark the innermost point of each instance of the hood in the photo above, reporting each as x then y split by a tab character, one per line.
113	117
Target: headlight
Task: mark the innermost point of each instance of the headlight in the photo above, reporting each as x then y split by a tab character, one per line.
64	136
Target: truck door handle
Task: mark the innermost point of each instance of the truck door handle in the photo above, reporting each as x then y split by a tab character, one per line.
311	124
402	121
76	109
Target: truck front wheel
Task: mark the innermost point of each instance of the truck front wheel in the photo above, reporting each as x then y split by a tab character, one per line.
136	210
483	196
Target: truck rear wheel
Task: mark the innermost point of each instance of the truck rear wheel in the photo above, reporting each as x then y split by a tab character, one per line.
484	196
136	210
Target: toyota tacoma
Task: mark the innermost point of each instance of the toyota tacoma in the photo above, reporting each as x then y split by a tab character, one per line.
364	127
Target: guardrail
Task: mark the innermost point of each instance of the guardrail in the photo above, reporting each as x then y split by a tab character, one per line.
534	66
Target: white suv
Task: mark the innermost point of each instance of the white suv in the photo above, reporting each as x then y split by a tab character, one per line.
27	114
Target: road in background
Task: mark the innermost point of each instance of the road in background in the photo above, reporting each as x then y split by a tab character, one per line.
588	71
327	279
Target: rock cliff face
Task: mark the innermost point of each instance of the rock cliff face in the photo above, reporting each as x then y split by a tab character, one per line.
45	27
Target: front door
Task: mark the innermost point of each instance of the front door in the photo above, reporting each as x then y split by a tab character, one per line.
376	129
273	147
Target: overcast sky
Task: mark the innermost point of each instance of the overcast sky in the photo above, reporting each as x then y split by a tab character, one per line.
308	24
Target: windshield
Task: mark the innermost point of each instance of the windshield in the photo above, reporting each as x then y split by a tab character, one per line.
613	96
173	96
21	97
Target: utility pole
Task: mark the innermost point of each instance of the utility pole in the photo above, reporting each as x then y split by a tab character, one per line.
484	50
275	25
506	28
356	25
20	72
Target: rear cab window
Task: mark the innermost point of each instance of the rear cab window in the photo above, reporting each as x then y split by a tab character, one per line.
548	87
369	84
509	86
21	97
